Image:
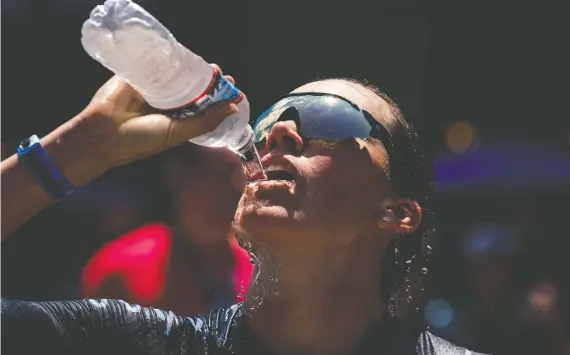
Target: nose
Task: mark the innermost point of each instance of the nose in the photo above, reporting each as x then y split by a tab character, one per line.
284	136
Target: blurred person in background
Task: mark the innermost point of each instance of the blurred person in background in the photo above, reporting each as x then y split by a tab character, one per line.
194	263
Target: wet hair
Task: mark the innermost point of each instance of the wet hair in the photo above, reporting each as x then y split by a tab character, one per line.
411	175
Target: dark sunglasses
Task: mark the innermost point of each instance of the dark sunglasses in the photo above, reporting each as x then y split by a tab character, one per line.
322	116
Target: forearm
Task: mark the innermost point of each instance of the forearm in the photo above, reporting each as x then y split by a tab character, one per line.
23	197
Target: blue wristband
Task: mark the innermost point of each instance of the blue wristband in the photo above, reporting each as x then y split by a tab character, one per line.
31	152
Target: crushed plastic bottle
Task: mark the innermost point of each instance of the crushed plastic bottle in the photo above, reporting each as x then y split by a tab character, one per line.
132	43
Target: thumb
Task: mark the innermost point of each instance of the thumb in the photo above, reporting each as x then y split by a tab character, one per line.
204	122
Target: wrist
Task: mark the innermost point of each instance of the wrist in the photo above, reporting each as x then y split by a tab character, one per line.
75	152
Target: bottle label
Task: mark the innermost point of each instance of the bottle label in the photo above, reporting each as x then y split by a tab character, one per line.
220	89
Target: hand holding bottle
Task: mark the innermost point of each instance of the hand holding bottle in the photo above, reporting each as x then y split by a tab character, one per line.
118	126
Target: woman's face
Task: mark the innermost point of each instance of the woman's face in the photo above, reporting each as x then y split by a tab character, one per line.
338	190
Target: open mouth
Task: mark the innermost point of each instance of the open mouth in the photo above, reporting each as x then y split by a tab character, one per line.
279	178
279	174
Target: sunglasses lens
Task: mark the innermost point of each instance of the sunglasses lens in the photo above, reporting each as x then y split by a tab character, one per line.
317	117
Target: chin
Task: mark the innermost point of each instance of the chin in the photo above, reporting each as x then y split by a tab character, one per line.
264	222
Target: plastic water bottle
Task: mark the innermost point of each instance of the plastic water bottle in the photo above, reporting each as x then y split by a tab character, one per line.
129	41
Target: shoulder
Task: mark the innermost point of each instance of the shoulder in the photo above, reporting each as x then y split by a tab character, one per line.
148	245
429	344
221	322
102	326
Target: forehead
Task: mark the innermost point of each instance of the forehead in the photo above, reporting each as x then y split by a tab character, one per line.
366	99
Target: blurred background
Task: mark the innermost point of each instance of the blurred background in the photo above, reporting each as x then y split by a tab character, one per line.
485	82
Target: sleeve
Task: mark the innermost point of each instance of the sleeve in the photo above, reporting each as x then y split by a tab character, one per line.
102	327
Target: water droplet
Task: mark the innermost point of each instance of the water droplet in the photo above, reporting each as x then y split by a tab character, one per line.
408	269
424	270
428	249
409	299
392	305
241	288
417	309
413	256
251	261
270	279
396	252
409	261
240	295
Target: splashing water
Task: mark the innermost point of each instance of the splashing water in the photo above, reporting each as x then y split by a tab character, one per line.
252	166
259	289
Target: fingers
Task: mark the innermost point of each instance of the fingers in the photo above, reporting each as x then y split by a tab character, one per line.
117	86
182	130
117	91
118	100
219	70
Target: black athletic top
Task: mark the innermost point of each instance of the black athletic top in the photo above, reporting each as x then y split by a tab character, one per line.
106	327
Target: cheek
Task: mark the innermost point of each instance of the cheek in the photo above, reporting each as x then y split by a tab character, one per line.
336	195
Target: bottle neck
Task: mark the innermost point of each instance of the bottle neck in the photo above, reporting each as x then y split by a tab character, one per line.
244	145
250	159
